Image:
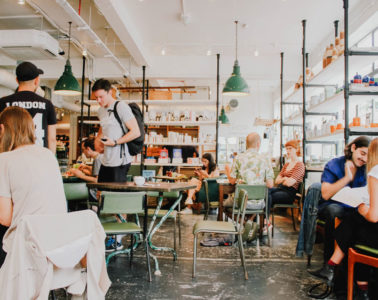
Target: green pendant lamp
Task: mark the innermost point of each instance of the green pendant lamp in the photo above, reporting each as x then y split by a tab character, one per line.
67	85
223	117
236	85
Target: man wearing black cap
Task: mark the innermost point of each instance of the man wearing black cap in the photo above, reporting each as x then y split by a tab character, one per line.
41	109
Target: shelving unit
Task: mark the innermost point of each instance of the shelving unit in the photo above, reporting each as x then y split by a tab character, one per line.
361	54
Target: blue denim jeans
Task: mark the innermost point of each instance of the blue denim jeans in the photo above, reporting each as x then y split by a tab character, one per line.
307	231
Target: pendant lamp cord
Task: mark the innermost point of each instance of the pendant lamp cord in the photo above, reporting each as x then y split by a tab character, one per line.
69	39
236	44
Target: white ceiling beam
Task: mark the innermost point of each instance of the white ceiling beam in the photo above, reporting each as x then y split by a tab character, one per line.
118	18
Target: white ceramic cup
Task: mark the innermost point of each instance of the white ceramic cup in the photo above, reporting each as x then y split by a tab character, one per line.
139	180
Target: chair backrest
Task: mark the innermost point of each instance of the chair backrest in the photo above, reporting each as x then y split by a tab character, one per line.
211	187
241	200
122	203
76	191
255	191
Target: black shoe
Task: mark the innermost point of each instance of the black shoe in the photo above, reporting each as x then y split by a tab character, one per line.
362	295
327	272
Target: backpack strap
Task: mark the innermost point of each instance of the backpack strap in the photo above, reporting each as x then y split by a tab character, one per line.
116	115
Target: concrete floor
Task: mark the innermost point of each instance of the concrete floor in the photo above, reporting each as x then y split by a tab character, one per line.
274	272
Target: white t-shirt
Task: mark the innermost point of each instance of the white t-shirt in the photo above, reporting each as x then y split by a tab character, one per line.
374	172
30	176
111	128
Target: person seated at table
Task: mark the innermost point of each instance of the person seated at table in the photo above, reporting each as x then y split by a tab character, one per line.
85	172
30	182
348	170
250	167
359	227
209	169
289	178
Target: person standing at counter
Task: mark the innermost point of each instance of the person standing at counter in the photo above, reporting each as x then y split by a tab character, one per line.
41	110
116	160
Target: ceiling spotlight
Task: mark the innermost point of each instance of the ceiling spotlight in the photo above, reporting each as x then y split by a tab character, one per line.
256	52
163	52
21	2
208	53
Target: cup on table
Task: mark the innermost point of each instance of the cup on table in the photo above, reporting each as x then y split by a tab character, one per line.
139	180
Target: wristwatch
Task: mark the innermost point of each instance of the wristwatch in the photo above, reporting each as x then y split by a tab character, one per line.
115	143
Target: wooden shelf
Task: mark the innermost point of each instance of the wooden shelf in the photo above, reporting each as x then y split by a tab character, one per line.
180	144
169	164
178	123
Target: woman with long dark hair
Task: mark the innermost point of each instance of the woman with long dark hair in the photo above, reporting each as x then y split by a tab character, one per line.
209	169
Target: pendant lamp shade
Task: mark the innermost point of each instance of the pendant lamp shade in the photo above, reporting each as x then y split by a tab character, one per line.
236	85
67	84
223	117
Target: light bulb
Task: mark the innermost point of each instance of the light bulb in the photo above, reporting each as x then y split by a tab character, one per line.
85	53
208	53
163	51
256	52
21	2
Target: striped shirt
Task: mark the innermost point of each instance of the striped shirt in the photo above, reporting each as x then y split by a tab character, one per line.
297	173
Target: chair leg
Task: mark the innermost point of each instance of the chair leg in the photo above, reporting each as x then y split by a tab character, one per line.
273	221
148	260
194	255
179	227
52	294
292	217
241	250
174	233
351	262
132	248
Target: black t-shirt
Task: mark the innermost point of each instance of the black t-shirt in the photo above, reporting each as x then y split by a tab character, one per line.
41	110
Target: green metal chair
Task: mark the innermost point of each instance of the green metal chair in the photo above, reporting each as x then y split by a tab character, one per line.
224	227
212	192
77	193
174	215
255	192
125	203
298	198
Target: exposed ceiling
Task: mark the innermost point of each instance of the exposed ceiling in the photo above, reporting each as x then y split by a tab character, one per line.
190	32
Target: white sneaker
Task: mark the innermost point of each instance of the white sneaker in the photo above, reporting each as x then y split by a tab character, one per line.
187	211
267	229
188	201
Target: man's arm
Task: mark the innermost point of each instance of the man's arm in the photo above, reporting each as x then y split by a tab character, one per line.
6	211
132	134
79	174
227	170
51	137
330	189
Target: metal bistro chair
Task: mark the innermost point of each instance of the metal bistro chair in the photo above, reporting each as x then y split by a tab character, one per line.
212	192
77	193
370	257
298	198
234	228
255	192
125	203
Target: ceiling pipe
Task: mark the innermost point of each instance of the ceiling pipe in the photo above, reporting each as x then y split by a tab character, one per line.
79	21
54	24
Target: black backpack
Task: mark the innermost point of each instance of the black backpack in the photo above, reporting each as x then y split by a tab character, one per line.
135	146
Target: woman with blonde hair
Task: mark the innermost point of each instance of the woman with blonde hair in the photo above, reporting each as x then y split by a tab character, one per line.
30	181
360	227
290	177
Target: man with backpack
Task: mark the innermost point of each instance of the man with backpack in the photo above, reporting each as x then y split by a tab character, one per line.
119	127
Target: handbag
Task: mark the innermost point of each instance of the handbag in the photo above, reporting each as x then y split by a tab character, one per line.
256	204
